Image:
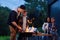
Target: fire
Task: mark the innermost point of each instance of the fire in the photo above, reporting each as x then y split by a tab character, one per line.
29	30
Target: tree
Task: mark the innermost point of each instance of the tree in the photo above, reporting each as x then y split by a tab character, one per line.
4	12
37	9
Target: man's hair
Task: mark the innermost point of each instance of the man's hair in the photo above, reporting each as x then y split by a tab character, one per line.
22	7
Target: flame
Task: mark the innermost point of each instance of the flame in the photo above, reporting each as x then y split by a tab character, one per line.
27	29
32	27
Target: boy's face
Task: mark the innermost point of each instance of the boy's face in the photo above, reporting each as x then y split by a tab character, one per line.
52	20
24	13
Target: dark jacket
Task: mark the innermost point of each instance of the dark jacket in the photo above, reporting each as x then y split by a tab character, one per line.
13	17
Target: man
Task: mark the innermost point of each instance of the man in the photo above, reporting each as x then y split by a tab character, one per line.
13	21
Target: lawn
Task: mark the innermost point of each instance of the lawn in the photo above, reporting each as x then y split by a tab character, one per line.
4	37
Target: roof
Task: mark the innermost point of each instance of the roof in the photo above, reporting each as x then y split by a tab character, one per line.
50	2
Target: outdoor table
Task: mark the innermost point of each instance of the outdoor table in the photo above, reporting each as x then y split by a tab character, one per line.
30	34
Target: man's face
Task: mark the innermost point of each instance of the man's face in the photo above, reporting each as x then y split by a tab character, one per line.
21	10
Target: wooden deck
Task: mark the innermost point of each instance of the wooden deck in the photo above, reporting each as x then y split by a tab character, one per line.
41	34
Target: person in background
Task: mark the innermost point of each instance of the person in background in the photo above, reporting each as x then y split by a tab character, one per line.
13	21
45	27
53	29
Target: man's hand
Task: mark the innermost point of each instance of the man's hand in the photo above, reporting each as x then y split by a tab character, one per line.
19	29
17	26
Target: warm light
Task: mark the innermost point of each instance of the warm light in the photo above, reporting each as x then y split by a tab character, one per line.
27	29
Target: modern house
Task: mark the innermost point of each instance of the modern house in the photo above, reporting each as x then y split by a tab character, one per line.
54	11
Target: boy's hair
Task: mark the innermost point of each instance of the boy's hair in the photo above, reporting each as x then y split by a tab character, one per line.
53	18
22	7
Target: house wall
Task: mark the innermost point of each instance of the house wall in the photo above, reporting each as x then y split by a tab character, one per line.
55	12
